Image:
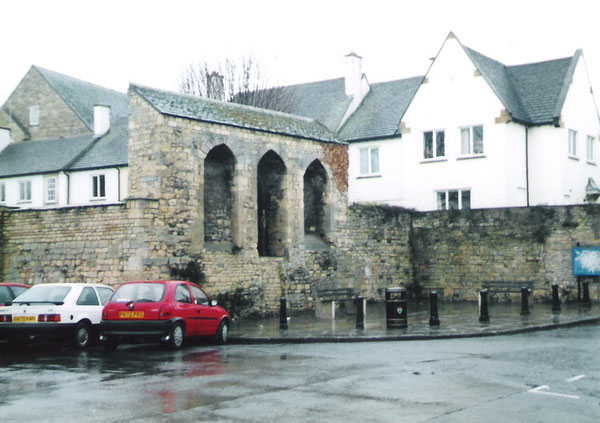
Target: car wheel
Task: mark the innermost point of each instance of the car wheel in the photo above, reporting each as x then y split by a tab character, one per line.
82	336
177	335
222	333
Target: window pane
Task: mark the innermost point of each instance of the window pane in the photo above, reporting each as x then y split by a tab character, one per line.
2	193
441	199
466	199
465	145
590	149
88	297
94	186
572	142
428	145
375	160
452	200
478	139
364	161
102	192
441	148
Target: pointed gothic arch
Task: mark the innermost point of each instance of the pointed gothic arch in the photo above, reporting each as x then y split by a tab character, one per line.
219	168
271	171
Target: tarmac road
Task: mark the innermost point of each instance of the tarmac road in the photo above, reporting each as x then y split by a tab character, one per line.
547	376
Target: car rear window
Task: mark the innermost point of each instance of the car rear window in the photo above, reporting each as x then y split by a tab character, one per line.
42	293
5	295
139	292
18	290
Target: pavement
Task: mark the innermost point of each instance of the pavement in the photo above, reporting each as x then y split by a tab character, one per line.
457	320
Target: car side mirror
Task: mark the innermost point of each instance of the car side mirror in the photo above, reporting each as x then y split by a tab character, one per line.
213	303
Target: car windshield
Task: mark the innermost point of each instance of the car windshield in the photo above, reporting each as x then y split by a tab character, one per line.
139	292
43	293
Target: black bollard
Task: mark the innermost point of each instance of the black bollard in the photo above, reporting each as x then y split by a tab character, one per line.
360	315
524	301
434	319
283	321
555	299
483	306
586	295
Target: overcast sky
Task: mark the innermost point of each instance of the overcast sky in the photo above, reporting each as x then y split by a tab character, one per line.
112	43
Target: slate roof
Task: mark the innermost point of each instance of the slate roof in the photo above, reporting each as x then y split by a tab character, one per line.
382	109
44	156
532	93
67	154
82	96
323	101
232	114
110	150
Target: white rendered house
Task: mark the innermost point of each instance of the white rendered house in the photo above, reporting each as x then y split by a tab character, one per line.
478	134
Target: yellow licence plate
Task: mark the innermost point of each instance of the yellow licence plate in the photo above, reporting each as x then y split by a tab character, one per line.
131	314
21	319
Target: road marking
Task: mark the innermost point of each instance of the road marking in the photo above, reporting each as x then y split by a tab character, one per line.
575	379
544	391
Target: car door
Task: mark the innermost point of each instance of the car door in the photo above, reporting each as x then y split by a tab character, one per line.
185	308
208	316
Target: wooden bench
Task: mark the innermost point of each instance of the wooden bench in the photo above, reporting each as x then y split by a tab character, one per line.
334	295
505	287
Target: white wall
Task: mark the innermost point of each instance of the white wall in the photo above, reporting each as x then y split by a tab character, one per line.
384	188
556	177
79	185
455	96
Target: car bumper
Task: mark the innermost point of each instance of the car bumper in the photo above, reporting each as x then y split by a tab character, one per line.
134	331
11	331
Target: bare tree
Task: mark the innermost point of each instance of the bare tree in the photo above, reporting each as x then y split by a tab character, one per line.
240	81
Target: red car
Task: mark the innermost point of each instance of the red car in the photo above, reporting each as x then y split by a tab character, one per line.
10	291
165	311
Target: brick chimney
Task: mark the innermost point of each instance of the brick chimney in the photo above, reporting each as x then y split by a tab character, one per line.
101	119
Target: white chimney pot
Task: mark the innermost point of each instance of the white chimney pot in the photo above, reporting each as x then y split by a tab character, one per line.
101	119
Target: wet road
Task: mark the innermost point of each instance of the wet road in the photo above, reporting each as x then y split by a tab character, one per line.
549	376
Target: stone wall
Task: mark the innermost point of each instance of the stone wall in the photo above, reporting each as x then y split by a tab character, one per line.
454	252
80	244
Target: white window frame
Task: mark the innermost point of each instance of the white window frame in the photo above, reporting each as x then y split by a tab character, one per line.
50	189
469	146
372	167
99	186
591	149
34	115
2	193
25	191
572	143
434	144
446	198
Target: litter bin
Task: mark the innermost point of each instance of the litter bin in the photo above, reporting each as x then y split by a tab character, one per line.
395	308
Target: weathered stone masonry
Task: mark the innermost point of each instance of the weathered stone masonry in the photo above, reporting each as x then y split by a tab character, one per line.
452	252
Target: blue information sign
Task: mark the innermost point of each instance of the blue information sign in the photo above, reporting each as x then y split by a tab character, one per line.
586	261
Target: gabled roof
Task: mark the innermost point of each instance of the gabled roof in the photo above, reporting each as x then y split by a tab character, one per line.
532	93
381	111
232	114
82	96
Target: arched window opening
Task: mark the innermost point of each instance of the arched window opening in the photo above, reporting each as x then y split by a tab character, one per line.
315	183
271	219
219	167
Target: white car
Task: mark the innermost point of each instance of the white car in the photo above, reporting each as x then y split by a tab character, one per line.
66	311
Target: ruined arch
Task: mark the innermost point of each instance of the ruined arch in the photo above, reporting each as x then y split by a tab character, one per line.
315	193
270	194
219	169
